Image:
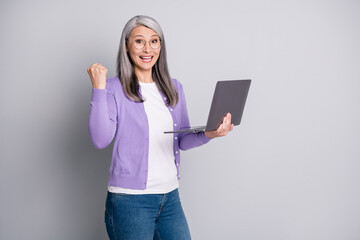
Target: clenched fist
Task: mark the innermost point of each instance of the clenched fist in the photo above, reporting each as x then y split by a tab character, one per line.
97	73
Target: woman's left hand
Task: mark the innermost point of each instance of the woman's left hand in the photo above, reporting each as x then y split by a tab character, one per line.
223	129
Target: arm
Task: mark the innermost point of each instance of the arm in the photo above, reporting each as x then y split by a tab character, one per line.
102	117
188	140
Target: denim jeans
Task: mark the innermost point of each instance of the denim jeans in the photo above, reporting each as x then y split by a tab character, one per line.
145	217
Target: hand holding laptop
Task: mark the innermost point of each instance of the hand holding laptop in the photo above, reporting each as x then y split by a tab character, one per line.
227	107
223	129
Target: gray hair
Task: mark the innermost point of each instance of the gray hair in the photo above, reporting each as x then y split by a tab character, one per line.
160	71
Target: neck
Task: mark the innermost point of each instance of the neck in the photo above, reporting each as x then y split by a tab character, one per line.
144	76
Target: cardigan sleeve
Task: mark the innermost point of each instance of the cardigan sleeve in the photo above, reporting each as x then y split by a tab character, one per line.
190	139
102	117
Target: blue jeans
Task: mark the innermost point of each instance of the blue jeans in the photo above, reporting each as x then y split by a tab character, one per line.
145	217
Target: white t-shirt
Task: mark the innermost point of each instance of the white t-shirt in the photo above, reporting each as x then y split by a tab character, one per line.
162	172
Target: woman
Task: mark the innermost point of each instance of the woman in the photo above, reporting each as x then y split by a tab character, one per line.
139	104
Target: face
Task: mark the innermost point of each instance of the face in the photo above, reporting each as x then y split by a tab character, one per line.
143	59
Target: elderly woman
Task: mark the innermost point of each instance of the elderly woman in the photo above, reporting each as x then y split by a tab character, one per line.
136	107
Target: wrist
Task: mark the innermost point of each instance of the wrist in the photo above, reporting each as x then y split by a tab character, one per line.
99	86
208	135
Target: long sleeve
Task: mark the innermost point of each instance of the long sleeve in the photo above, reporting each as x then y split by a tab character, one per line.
190	139
102	117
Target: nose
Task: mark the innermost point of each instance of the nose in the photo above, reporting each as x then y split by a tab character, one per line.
147	47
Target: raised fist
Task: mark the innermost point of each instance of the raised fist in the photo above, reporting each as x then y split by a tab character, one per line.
97	73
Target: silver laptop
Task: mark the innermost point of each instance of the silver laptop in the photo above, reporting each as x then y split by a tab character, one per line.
229	96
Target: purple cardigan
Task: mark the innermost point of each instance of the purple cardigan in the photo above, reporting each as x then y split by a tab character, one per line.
113	112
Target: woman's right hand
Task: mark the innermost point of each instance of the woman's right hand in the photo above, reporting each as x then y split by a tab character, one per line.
97	73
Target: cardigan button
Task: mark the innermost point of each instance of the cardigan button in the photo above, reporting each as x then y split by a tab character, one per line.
175	138
175	124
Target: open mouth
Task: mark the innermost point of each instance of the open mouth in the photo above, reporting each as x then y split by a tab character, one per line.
146	59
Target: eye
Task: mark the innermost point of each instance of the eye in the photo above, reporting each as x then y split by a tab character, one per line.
155	40
139	41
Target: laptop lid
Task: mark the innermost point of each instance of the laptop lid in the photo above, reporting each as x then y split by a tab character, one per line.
229	96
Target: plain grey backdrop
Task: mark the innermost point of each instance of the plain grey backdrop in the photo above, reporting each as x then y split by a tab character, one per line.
290	171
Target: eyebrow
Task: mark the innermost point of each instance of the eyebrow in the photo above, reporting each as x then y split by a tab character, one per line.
143	36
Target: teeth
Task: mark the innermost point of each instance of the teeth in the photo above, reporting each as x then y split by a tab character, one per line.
145	57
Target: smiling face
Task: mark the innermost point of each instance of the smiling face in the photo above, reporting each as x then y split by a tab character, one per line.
143	59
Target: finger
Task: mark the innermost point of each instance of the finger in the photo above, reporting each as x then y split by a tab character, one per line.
219	129
93	65
227	127
223	129
225	122
228	117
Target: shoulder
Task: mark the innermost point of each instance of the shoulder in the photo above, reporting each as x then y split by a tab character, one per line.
113	84
177	84
113	81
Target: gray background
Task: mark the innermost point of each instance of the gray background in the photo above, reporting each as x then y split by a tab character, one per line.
290	171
